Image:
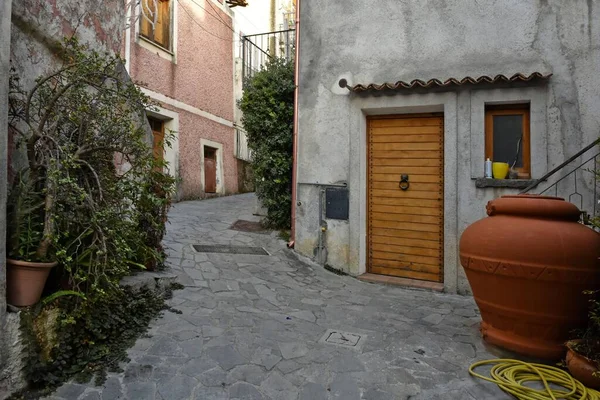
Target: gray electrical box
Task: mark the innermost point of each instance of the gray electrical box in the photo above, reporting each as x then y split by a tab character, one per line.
337	203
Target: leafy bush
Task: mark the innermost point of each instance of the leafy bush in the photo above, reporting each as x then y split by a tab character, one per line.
76	124
83	340
268	107
93	198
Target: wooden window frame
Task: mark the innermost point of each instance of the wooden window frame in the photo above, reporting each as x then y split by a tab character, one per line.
511	109
148	33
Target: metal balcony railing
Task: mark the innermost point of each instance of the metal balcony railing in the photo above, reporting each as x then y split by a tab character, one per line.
260	48
579	184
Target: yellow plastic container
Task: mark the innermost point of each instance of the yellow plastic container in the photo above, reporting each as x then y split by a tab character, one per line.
500	170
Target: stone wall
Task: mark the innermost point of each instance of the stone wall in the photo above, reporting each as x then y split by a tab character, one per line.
30	35
437	39
5	8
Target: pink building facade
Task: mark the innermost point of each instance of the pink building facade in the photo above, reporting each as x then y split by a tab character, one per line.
184	61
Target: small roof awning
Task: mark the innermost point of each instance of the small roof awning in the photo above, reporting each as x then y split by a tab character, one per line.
435	83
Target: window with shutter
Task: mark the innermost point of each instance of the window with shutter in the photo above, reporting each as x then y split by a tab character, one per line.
161	33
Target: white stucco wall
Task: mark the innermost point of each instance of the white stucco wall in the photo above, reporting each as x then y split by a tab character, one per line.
437	39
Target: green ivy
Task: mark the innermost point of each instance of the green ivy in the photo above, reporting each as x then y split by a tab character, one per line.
268	107
82	339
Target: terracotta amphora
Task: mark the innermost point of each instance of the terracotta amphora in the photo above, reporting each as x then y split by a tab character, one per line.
528	264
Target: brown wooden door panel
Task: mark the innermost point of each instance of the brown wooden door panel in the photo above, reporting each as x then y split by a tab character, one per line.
397	122
394	209
406	146
405	250
409	194
407	202
210	175
406	258
407	130
405	227
400	241
389	264
406	273
407	162
416	186
406	139
405	233
413	178
402	154
406	170
421	219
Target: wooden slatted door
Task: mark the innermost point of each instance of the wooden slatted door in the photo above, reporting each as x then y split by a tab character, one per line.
405	227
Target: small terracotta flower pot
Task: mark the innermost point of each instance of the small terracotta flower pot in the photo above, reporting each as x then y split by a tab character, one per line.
582	369
25	281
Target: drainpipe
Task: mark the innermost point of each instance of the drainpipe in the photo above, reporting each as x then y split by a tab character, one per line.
295	132
128	37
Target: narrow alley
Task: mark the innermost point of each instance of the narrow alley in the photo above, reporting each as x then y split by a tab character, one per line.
260	327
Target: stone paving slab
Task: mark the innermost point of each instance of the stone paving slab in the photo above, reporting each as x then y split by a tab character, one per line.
251	327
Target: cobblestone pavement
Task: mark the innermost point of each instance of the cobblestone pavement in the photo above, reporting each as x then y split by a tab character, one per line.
250	328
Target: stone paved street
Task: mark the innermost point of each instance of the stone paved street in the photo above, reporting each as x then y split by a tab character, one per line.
250	328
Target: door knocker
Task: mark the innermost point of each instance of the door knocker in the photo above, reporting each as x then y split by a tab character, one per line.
404	183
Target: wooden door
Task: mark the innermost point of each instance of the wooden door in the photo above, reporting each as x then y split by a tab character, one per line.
210	170
158	137
406	216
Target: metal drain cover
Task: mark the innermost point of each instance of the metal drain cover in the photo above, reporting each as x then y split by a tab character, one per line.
343	339
228	249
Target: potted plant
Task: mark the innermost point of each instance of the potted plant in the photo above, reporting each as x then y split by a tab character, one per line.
30	258
583	354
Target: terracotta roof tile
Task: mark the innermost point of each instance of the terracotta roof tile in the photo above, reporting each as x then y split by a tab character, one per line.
432	83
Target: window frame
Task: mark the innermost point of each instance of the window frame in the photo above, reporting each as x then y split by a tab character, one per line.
510	109
152	38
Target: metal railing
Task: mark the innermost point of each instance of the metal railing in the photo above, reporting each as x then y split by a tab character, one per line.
578	185
258	49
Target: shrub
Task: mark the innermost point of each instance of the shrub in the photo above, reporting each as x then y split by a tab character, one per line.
97	204
268	107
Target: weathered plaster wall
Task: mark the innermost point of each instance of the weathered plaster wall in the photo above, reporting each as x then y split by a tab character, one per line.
5	8
437	39
197	80
38	26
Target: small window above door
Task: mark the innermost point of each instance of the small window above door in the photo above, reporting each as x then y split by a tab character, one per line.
507	137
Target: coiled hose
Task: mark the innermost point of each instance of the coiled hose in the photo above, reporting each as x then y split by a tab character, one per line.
512	375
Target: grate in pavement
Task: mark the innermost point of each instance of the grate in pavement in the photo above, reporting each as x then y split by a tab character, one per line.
344	339
228	249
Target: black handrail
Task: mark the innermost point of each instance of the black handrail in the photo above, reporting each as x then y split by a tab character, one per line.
268	33
561	166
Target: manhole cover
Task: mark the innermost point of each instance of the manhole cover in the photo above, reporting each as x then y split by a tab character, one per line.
224	248
344	339
248	226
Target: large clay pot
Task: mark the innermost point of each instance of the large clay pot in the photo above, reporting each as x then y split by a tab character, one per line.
582	369
528	264
25	281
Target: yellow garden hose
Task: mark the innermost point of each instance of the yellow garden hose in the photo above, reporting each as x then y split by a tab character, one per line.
511	375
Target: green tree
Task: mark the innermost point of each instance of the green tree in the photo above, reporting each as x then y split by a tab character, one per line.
268	107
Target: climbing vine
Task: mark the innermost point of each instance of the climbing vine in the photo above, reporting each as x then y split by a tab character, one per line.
268	107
